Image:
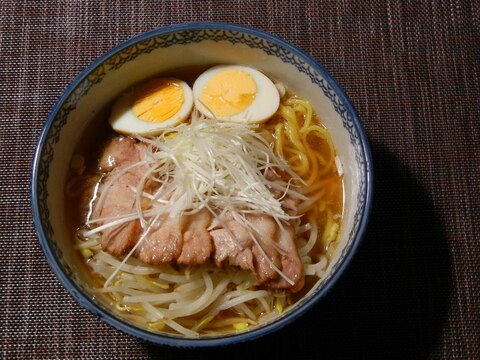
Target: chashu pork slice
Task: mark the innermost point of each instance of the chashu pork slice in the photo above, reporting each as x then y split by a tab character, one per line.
118	198
234	245
197	241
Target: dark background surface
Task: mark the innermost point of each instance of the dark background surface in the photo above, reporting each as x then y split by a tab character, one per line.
411	68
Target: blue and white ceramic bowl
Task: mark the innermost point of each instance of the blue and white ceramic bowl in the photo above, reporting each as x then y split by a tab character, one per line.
173	47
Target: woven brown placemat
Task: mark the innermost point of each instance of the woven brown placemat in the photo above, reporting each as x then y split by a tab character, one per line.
412	70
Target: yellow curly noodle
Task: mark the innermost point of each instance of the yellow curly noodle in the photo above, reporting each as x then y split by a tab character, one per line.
307	147
206	300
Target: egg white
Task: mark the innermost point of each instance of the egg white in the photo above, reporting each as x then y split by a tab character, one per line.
264	105
124	121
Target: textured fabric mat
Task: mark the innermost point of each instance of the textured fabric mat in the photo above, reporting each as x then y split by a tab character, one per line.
411	68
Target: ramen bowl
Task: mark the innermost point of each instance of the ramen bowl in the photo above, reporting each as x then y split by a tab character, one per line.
178	46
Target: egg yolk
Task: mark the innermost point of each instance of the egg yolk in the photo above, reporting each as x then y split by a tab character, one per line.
229	92
158	100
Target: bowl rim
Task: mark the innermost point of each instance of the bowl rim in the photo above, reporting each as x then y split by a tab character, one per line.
165	339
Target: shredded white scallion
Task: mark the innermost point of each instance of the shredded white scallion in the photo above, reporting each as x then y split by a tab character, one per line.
339	165
219	163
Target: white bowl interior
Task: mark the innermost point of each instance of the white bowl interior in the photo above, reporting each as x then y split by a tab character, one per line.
123	69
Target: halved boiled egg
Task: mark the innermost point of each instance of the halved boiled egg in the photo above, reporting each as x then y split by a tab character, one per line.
148	108
235	93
